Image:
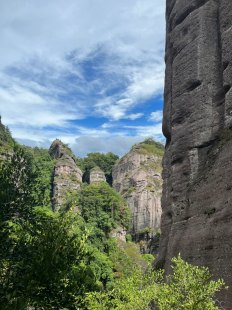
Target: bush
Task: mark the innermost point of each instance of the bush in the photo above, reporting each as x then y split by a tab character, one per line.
102	206
188	288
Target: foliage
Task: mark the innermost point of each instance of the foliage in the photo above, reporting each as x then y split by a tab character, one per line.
17	179
188	288
102	206
103	161
43	165
51	266
130	293
126	257
149	146
5	136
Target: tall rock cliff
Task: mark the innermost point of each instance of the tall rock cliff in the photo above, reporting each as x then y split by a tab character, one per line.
137	177
67	177
197	194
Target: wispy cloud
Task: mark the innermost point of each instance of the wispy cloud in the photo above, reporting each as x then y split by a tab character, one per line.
156	116
62	62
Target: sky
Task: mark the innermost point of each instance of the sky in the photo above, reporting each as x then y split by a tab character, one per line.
89	72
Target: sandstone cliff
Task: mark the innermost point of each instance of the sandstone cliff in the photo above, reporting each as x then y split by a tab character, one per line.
197	194
67	177
137	177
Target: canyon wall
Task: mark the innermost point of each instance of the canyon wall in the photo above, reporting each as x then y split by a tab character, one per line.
197	166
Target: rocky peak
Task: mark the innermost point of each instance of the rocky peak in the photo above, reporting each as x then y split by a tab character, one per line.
137	177
59	149
96	175
67	176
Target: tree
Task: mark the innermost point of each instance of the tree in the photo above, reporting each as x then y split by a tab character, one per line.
131	293
52	266
17	179
44	166
188	288
102	205
5	135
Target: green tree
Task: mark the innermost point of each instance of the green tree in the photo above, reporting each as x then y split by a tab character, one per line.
101	205
51	266
17	179
132	293
5	135
188	288
44	166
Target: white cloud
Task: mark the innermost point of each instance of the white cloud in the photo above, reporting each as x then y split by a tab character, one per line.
44	51
147	131
21	105
156	116
119	145
56	27
84	140
135	116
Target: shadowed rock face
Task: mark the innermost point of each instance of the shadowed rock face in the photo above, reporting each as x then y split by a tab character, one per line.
197	194
137	177
67	176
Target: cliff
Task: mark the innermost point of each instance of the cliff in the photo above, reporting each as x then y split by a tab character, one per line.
197	194
137	177
96	175
67	177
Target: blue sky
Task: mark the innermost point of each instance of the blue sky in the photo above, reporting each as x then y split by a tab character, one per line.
89	72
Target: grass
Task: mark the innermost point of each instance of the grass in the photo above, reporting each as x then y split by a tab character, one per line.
149	146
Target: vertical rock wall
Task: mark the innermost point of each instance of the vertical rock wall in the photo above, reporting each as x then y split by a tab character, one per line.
67	176
137	177
197	194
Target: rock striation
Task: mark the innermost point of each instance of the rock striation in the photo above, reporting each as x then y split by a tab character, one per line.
96	175
137	177
197	194
67	177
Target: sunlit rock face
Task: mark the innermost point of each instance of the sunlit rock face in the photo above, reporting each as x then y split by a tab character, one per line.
137	177
197	194
96	175
67	176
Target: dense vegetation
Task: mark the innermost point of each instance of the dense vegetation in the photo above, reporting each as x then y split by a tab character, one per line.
68	260
149	146
5	136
